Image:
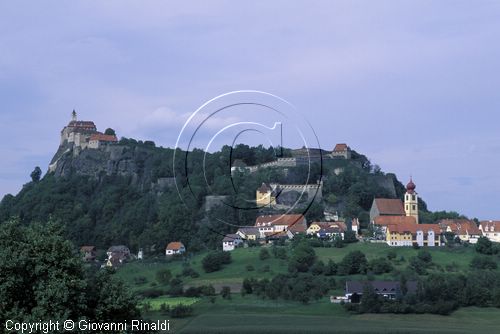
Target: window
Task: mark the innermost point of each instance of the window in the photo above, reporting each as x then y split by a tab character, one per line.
412	197
414	207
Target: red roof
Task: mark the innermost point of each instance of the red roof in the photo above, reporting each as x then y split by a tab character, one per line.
388	206
89	125
459	226
413	228
341	148
490	226
175	245
87	248
394	220
272	220
103	137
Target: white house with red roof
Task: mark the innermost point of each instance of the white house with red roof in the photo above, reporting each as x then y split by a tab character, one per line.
491	230
273	224
174	248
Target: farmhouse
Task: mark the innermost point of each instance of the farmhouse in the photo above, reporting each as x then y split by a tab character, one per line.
279	223
491	230
88	252
248	233
387	289
117	255
174	248
230	242
464	229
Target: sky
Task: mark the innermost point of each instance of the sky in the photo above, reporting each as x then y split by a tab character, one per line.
411	84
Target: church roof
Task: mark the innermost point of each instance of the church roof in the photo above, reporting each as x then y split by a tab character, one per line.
388	206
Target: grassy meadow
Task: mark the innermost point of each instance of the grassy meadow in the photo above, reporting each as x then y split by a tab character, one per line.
251	314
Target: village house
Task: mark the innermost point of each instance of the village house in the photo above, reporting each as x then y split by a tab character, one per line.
175	248
117	255
230	242
387	289
380	223
88	253
491	230
248	233
466	230
296	229
399	235
326	230
273	224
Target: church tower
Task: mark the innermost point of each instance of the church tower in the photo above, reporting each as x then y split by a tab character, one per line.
411	200
73	116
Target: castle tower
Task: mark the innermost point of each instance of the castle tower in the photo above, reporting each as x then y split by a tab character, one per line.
73	116
411	200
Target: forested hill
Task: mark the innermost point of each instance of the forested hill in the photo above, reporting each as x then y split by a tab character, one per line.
126	193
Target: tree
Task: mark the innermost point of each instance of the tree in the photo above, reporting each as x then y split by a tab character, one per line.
353	263
110	132
36	174
225	292
215	260
484	246
483	262
163	276
41	277
303	257
380	266
370	301
264	254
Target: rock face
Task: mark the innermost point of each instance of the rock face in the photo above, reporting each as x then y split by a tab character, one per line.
133	161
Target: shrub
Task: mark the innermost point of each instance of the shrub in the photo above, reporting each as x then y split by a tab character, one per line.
140	280
215	260
353	263
391	255
163	276
226	292
483	262
250	267
485	246
181	311
193	292
380	266
264	254
152	293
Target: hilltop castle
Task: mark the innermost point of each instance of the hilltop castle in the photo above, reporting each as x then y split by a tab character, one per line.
81	135
84	134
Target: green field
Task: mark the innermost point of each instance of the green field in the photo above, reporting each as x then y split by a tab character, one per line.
251	314
458	258
155	303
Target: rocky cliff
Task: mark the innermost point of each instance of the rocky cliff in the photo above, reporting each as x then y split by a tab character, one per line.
140	162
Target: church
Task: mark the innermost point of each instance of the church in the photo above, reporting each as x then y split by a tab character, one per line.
398	223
